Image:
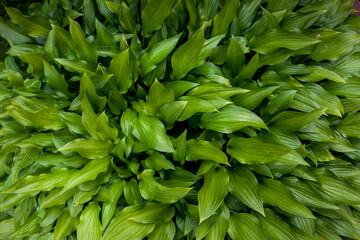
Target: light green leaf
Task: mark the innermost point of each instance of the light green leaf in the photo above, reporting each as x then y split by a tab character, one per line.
152	132
230	119
244	226
85	50
204	150
211	90
213	192
152	190
158	97
88	148
6	227
256	151
154	213
89	172
65	225
87	88
109	207
89	227
156	161
320	73
120	66
36	25
170	112
163	231
121	228
157	54
76	66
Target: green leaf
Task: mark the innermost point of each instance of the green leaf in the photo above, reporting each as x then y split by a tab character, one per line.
163	231
252	99
244	185
230	119
13	34
221	226
204	150
88	117
185	58
224	18
154	213
249	70
105	132
170	112
279	103
285	120
126	18
255	151
275	39
57	197
108	208
152	190
349	126
120	66
235	57
132	193
158	97
55	80
35	26
65	225
275	228
156	161
88	148
277	194
6	227
103	36
244	226
121	228
87	88
209	46
320	73
89	226
85	50
157	54
89	172
77	66
154	14
213	192
334	47
152	132
274	6
51	215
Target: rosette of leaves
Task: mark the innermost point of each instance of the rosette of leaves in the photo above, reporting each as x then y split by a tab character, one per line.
180	119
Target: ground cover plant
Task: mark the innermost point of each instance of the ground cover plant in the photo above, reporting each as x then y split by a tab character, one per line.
180	119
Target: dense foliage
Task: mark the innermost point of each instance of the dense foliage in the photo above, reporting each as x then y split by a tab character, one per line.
180	119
